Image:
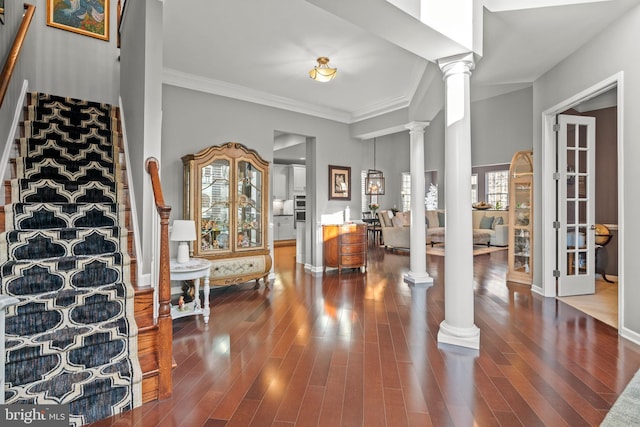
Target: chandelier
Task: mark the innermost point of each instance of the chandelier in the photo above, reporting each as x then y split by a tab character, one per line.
374	182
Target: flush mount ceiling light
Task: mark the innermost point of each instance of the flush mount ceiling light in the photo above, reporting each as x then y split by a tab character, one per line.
322	72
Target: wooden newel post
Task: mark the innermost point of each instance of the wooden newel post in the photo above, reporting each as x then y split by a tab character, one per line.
165	323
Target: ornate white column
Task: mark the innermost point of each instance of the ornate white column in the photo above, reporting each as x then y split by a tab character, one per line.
417	274
458	327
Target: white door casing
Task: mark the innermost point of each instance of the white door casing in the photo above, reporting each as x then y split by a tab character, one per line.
576	205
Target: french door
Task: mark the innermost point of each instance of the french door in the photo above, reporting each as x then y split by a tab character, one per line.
576	207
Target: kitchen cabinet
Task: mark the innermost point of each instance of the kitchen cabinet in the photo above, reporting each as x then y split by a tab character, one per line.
280	182
283	227
297	179
226	189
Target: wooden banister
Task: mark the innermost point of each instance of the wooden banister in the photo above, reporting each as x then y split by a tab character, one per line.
14	53
165	324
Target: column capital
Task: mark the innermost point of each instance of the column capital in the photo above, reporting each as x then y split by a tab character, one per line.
457	64
416	126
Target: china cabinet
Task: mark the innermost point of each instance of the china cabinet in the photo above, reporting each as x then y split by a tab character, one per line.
225	193
521	218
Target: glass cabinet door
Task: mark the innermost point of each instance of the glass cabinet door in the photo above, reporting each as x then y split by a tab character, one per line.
214	214
249	233
522	235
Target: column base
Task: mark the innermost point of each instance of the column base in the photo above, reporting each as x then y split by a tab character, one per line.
418	279
463	337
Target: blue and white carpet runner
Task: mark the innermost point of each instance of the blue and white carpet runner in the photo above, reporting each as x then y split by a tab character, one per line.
72	339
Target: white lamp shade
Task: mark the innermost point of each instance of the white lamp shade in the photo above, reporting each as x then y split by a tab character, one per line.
183	231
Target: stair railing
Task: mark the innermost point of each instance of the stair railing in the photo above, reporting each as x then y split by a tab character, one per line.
5	76
165	324
14	53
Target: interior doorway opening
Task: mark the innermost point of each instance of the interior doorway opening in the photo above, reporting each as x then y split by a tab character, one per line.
603	101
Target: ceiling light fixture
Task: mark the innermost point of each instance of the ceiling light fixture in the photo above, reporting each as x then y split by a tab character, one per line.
374	182
322	72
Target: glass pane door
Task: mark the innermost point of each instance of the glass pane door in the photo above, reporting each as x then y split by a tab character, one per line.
576	245
214	215
249	233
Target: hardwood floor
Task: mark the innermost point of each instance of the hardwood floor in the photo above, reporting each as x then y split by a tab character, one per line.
360	349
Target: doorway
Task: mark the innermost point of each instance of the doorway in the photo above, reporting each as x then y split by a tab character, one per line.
603	102
288	191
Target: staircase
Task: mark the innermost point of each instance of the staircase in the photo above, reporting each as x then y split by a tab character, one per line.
82	333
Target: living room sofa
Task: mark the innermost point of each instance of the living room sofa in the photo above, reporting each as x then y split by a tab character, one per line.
396	228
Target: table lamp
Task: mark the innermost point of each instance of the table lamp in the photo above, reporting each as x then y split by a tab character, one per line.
183	231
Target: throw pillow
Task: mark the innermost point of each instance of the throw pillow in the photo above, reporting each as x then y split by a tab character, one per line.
497	221
486	222
441	219
397	222
386	218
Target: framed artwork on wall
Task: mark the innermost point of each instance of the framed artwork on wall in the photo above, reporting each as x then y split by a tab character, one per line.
339	182
86	17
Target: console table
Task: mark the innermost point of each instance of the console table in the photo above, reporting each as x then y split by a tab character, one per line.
195	269
345	246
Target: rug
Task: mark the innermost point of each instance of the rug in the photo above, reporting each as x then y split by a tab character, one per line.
72	338
626	409
477	250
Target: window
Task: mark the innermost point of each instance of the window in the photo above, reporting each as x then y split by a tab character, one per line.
431	190
405	191
431	200
498	188
474	188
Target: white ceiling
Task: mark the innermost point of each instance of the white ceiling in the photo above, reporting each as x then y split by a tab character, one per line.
261	51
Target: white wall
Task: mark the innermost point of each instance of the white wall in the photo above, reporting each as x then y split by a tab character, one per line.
500	126
196	120
141	93
75	65
612	51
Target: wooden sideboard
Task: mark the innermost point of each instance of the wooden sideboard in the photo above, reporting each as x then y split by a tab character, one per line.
345	246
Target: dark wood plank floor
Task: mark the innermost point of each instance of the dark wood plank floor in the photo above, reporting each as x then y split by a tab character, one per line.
360	349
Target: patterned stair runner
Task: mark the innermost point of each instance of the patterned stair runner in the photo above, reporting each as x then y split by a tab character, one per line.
72	339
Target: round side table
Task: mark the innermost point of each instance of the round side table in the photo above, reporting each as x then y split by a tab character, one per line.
194	269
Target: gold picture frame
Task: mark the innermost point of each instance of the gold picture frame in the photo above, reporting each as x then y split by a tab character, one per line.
339	182
86	17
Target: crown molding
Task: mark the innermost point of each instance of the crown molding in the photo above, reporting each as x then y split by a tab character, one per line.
216	87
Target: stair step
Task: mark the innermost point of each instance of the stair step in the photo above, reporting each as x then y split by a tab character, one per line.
70	117
44	130
144	307
56	101
25	245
